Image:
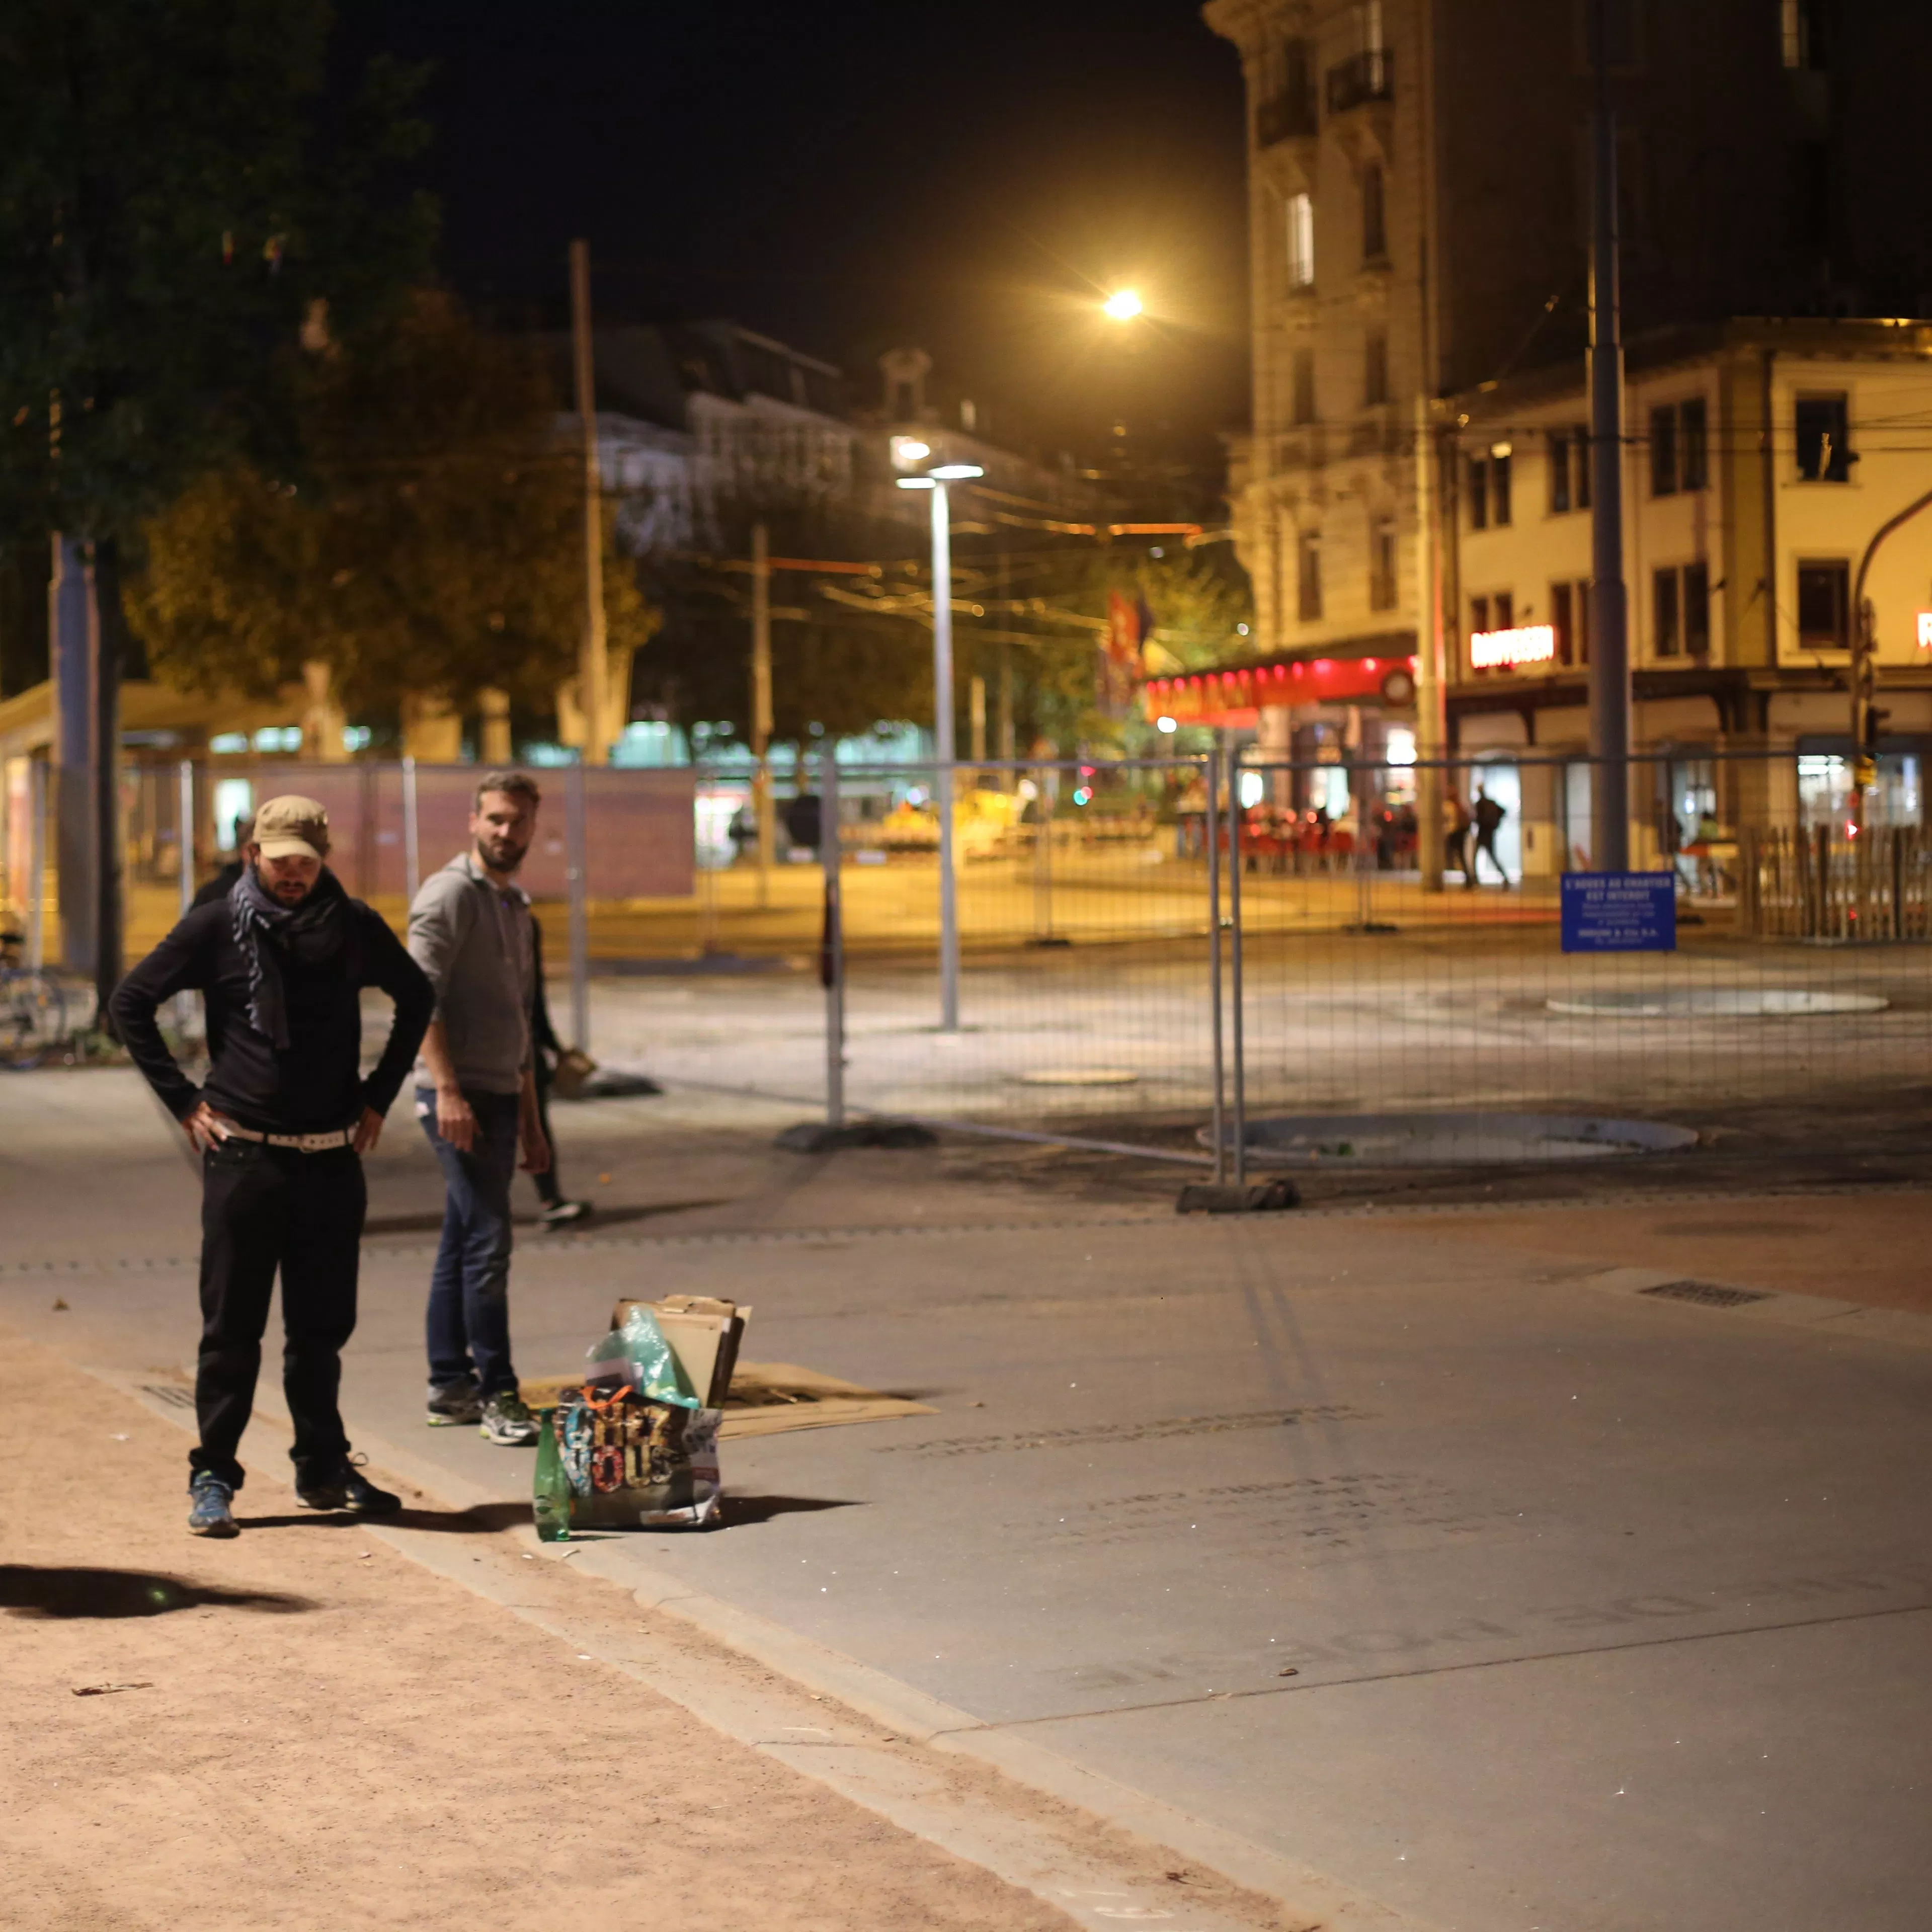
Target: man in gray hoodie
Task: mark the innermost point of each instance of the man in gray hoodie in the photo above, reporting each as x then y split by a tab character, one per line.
470	931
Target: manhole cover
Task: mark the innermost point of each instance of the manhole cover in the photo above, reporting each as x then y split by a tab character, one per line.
1449	1140
1718	1003
1080	1076
1705	1294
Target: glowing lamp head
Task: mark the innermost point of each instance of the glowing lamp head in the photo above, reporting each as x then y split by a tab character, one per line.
1122	305
909	452
1166	724
957	472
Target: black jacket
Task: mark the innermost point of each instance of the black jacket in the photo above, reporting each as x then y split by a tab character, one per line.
315	1085
220	886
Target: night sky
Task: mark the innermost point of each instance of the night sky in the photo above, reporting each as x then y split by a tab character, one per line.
851	176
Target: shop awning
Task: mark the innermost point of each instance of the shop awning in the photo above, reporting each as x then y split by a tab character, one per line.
1233	698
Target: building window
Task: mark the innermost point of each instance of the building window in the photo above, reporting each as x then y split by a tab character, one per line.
1503	605
1663	451
1288	112
1579	441
1479	623
1679	447
1798	43
1557	463
1570	619
1375	219
1824	433
1563	622
1375	367
1302	399
1382	564
1667	639
1697	605
1300	210
1694	445
1499	488
1479	493
1309	577
1824	602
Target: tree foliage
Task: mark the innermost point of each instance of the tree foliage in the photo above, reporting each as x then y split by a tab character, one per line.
426	540
177	195
838	667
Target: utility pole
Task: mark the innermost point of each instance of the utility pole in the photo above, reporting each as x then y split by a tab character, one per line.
1610	641
761	708
943	749
1432	737
71	627
592	665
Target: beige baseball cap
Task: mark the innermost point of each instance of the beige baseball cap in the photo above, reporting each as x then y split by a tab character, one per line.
291	827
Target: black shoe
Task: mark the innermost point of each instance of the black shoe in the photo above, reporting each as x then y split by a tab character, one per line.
344	1487
561	1213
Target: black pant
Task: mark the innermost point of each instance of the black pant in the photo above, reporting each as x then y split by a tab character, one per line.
549	1189
263	1207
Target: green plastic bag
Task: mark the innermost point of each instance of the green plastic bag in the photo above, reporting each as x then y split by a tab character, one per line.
654	1372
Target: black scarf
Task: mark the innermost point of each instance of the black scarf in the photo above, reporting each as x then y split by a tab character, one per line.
314	932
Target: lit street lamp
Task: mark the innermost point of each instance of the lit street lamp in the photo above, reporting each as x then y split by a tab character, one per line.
1122	305
907	450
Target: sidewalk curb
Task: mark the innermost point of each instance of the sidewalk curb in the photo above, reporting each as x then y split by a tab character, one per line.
892	1786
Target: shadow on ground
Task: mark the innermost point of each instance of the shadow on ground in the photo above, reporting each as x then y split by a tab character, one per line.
600	1217
735	1510
480	1519
28	1591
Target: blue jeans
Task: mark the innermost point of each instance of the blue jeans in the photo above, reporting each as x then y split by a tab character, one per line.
470	1286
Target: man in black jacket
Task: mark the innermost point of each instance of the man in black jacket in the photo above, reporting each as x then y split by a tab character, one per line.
281	1126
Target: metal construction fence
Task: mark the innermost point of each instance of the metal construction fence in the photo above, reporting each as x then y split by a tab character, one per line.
1142	948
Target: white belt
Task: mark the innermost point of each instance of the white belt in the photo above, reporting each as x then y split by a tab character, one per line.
302	1143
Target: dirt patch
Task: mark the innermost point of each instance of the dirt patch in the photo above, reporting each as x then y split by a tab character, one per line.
304	1728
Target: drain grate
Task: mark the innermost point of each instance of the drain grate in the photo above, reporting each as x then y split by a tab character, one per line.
1705	1294
172	1393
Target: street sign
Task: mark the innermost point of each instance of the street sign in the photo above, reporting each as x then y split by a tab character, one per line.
1620	912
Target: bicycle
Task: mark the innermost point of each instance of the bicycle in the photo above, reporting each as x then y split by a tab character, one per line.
33	1009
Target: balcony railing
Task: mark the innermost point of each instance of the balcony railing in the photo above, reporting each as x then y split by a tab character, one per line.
1289	116
1363	78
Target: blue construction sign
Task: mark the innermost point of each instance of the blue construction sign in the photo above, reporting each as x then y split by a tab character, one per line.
1620	912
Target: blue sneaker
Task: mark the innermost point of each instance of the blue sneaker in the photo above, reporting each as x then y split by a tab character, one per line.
210	1515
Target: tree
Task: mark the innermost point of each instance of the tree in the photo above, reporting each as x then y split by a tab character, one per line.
839	661
426	540
173	210
174	206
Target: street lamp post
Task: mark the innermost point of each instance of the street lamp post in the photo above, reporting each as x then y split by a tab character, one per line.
907	450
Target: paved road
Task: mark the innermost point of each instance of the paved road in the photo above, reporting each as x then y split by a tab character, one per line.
1602	1614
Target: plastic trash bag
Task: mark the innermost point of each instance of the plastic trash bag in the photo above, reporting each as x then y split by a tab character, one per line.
609	1458
638	1354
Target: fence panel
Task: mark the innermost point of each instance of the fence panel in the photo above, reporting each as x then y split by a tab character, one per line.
1082	939
1367	993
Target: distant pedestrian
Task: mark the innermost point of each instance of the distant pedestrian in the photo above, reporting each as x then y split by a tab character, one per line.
549	1053
1489	816
222	883
1456	834
470	931
281	1124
